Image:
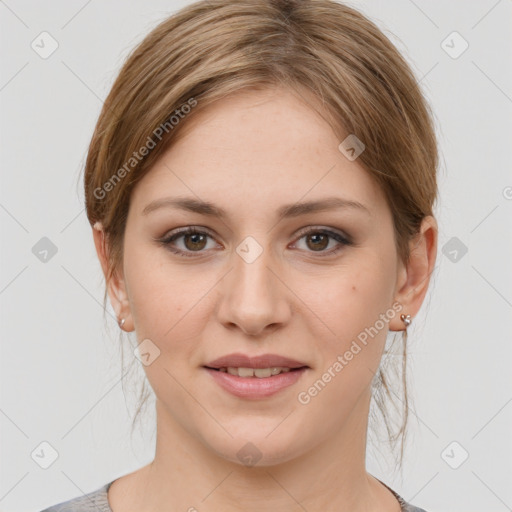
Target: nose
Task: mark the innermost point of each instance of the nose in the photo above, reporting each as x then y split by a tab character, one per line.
253	296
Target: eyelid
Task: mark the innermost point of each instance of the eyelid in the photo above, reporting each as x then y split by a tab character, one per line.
179	232
330	231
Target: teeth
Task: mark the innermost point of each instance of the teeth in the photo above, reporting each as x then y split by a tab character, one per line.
245	372
262	372
255	372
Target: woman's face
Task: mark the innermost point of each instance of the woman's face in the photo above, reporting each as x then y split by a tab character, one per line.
256	283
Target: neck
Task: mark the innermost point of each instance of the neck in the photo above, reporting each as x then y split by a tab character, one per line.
190	476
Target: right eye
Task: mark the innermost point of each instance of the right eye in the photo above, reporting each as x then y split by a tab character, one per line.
194	241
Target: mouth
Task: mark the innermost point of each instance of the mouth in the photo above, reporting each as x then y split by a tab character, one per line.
259	373
255	377
261	366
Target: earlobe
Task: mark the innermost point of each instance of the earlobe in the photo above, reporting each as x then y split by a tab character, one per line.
414	277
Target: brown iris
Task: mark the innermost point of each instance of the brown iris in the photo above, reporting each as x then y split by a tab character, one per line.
324	240
198	241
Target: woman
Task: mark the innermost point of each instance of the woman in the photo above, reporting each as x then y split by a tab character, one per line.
260	184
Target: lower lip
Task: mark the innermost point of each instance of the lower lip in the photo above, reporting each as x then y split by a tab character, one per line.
255	387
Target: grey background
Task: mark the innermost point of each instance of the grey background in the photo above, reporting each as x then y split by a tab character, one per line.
60	373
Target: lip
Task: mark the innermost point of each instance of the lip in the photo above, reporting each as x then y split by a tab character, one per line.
255	387
239	360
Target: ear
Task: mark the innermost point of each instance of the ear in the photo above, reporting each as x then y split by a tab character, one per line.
116	288
414	277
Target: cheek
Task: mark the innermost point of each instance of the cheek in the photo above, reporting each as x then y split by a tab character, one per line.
165	299
351	306
351	303
350	298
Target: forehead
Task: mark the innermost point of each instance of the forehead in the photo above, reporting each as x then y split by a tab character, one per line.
254	150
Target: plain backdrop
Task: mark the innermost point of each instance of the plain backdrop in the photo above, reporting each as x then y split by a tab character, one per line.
60	366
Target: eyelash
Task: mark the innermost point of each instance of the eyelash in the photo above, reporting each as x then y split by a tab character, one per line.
166	241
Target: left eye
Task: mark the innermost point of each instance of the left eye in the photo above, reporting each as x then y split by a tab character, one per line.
318	240
194	240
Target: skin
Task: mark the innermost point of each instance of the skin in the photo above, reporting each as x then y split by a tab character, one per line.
291	301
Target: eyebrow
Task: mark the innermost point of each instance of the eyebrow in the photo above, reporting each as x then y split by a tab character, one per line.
286	211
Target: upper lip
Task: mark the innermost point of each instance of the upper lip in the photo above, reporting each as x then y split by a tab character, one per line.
262	361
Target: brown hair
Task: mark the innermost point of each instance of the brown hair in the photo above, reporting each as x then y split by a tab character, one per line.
213	48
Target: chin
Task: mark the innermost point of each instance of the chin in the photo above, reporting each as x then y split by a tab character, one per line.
252	448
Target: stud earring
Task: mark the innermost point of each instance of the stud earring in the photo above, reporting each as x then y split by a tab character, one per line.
121	322
406	319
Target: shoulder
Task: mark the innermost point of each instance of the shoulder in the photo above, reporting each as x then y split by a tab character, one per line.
404	505
411	508
95	501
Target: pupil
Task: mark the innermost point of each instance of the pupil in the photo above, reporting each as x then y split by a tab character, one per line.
194	241
324	239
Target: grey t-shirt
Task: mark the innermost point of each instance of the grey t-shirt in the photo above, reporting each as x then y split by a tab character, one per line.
97	501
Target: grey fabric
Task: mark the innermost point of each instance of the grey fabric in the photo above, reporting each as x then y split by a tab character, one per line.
97	501
405	507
